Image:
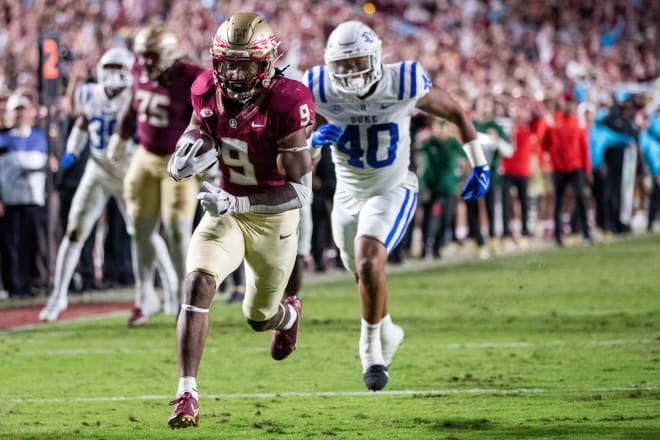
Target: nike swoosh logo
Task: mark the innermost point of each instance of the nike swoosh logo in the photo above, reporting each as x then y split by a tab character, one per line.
483	180
384	106
255	125
285	236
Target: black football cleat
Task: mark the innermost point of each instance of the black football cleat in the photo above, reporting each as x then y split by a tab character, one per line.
375	378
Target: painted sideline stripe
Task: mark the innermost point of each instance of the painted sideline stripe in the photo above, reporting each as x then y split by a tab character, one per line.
471	391
513	344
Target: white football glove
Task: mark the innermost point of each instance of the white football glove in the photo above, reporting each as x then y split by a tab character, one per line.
218	202
185	163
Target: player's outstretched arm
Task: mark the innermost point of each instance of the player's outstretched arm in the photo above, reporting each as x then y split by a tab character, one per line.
76	142
439	103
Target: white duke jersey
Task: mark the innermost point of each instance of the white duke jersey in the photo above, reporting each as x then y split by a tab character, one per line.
373	152
101	113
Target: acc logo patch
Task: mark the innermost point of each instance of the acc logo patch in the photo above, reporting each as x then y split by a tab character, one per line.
206	113
336	109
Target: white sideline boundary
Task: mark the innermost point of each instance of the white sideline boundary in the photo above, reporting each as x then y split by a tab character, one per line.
418	393
465	345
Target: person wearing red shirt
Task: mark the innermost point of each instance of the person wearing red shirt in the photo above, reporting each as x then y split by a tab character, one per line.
566	142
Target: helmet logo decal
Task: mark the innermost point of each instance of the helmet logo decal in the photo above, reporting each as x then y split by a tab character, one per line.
367	37
220	42
263	43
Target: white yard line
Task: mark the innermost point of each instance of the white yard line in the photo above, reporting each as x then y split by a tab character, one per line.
453	392
466	345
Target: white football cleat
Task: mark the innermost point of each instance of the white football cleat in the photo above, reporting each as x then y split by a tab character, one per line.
52	309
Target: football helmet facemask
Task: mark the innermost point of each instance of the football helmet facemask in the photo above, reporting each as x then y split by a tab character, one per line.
244	52
353	56
113	70
156	49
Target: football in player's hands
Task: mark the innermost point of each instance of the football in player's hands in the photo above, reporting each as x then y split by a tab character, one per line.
195	152
188	139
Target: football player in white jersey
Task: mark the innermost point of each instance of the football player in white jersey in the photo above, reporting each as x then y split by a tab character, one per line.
97	106
363	111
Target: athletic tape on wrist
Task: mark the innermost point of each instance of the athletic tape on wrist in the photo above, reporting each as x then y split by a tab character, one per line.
189	308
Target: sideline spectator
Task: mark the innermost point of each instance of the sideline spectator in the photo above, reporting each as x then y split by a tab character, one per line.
22	196
567	145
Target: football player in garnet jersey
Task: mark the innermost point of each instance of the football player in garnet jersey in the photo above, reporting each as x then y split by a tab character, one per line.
363	111
259	121
160	106
97	106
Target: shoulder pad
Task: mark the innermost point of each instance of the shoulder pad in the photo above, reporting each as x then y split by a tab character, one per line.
289	92
203	83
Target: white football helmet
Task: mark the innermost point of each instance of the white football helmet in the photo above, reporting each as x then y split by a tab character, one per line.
114	68
353	56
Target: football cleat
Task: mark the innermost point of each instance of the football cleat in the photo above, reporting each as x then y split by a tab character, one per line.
284	341
139	316
391	343
375	377
185	413
52	309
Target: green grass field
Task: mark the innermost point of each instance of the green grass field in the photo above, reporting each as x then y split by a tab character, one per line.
563	344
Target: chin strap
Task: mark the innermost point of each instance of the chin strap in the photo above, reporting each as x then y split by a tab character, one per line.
189	308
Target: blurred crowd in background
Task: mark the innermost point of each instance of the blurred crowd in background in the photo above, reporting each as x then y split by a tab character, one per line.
515	65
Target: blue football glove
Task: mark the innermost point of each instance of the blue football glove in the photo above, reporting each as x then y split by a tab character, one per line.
67	160
326	134
477	184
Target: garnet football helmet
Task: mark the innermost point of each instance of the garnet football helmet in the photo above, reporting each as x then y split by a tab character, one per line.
113	70
353	57
244	51
156	49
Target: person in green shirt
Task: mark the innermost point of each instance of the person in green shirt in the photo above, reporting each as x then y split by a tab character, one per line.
495	144
441	173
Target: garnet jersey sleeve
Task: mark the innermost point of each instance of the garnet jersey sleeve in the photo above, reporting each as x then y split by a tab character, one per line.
292	107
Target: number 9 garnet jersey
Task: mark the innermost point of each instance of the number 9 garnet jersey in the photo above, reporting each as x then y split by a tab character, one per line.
247	141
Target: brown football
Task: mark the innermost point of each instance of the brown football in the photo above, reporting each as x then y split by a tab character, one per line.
189	137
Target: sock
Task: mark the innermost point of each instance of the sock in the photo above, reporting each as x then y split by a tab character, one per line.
67	260
370	346
288	323
391	336
386	325
188	384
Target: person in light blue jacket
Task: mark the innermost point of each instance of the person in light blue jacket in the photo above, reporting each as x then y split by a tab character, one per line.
649	143
22	196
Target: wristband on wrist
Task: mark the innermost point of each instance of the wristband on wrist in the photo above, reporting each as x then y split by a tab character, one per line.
475	153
